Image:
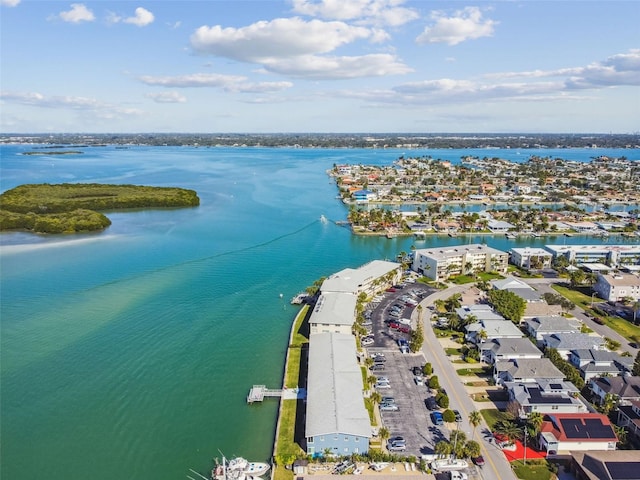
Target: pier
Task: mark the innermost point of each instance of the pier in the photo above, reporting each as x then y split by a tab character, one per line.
259	392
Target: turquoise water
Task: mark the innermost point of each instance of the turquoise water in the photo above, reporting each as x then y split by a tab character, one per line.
129	353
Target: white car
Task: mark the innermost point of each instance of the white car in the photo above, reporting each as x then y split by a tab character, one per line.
366	341
419	380
383	385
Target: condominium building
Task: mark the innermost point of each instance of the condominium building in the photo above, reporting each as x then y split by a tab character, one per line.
613	255
441	263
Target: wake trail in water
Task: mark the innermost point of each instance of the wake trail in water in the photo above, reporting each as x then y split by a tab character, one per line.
208	258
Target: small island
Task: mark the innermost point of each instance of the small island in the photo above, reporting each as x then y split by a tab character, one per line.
76	207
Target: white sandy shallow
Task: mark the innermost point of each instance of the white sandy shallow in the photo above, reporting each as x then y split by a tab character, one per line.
29	247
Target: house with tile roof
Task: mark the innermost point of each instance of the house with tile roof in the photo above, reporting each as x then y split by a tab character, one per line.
562	433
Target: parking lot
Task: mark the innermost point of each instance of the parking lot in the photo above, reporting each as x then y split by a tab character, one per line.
412	419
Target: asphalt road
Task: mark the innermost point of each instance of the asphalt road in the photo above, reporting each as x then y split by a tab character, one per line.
496	467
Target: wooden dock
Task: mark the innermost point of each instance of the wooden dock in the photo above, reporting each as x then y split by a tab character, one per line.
258	392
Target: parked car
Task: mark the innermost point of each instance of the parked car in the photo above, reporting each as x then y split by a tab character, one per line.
437	419
479	460
387	400
416	370
394	326
404	329
367	341
383	385
390	290
397	444
419	380
388	407
431	403
376	367
377	355
458	416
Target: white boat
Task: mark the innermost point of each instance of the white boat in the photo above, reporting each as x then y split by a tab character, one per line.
239	469
448	464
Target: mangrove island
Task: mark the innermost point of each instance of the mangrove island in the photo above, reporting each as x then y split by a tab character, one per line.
75	207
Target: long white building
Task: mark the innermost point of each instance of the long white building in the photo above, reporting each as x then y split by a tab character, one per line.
442	262
613	255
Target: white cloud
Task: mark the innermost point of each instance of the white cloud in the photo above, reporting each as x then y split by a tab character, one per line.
229	83
375	12
617	70
278	38
465	24
167	97
142	18
292	46
83	104
331	68
9	3
78	13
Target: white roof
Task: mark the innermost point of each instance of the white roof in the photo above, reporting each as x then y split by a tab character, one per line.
335	309
335	404
352	280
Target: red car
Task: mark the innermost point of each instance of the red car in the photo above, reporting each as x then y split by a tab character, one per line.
394	326
390	289
404	329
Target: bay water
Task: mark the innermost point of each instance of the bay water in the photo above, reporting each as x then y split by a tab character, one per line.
128	353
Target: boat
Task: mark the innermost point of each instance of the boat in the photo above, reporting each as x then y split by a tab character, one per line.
510	236
239	468
299	298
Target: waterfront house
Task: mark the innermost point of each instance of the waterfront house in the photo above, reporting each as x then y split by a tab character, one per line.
618	286
545	397
537	327
608	254
600	363
561	433
363	196
499	226
336	418
526	370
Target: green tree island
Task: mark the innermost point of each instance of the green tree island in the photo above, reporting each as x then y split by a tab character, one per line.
75	207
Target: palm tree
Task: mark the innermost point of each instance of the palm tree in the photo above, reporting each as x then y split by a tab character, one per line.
508	429
443	448
475	419
384	433
375	397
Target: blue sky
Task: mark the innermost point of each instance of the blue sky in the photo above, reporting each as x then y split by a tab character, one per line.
320	66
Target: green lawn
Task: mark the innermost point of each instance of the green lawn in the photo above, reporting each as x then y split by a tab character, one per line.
533	470
462	279
491	416
575	296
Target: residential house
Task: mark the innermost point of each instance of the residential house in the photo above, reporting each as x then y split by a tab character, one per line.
492	329
565	342
507	349
624	389
545	397
363	196
616	287
605	465
520	288
599	363
336	418
526	370
537	327
440	263
499	226
562	433
629	418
